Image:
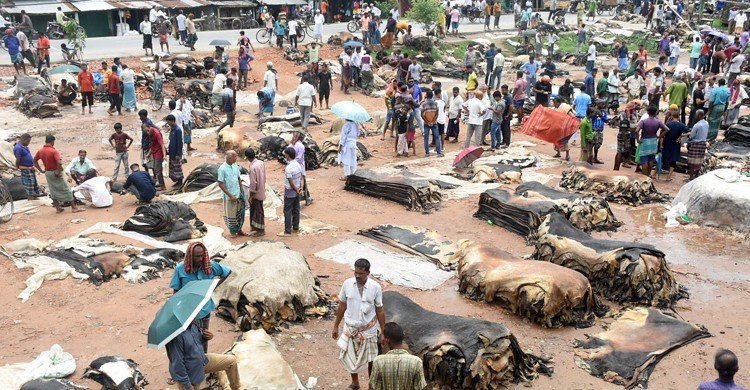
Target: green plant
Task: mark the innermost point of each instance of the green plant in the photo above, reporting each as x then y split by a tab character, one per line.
385	6
75	34
425	12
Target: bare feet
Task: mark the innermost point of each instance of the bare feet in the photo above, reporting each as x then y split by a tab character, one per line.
77	210
283	234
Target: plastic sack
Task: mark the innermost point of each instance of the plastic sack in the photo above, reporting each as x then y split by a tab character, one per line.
54	363
674	212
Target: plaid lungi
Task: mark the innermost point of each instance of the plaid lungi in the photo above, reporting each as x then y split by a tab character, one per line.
257	215
696	153
175	169
623	141
30	185
234	214
649	147
598	138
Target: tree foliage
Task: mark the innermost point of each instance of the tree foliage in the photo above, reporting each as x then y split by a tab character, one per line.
75	34
386	5
425	12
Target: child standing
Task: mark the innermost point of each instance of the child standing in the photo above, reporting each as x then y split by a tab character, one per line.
402	117
587	137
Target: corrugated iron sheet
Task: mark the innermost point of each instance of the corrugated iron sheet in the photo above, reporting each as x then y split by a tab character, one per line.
36	7
91	5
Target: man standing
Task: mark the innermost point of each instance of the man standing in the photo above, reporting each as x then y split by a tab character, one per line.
726	365
299	154
234	201
476	110
77	168
697	145
186	108
397	369
591	57
507	116
156	153
581	34
269	78
699	101
182	27
192	32
115	88
256	193
148	38
735	67
361	308
26	52
455	105
305	100
220	81
175	151
530	68
519	94
13	45
582	103
25	163
589	82
228	105
42	51
53	172
292	190
613	86
489	56
429	112
678	94
164	28
497	71
145	147
121	142
140	184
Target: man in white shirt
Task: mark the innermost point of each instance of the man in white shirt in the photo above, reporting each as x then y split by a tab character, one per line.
376	11
395	13
497	71
591	57
96	189
441	119
269	78
361	308
487	119
415	71
186	106
739	22
613	85
25	47
60	16
220	81
455	106
182	27
476	110
148	37
735	67
356	64
305	100
153	15
292	25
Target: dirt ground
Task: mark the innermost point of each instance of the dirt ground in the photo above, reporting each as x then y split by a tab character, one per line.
112	319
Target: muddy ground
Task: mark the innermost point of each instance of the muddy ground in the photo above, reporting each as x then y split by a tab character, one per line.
112	319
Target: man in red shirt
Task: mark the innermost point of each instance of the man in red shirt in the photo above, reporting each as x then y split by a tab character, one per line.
156	152
53	171
42	51
86	86
114	86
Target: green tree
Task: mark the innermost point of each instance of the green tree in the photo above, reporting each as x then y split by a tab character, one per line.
75	34
385	6
425	12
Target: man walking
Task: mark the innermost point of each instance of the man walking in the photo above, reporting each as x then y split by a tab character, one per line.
114	86
25	163
53	172
231	186
175	151
256	193
361	308
156	153
305	100
181	27
121	142
228	105
86	86
397	369
13	45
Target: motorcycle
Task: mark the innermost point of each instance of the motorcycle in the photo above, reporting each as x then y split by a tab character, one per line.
472	13
55	30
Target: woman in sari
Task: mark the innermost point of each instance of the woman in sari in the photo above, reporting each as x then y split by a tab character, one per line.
736	95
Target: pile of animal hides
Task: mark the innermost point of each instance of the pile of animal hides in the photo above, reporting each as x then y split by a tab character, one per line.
35	97
421	44
294	119
722	154
174	221
523	211
258	295
624	187
739	133
203	176
261	364
620	271
184	65
491	173
199	91
115	372
299	57
84	258
329	153
719	198
417	241
14	185
205	118
628	351
462	352
415	193
627	17
340	38
544	293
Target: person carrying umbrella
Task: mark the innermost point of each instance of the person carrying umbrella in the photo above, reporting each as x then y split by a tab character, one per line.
198	266
353	113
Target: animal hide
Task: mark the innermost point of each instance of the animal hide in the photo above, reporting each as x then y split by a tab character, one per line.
51	384
39	106
628	351
261	365
294	119
329	153
494	173
115	373
203	176
204	119
236	138
722	154
516	213
620	271
417	241
415	193
175	221
544	293
628	188
461	352
198	90
739	133
269	284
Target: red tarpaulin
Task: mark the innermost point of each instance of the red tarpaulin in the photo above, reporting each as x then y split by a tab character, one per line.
550	125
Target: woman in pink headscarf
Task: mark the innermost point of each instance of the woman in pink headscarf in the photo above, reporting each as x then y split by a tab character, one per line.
736	95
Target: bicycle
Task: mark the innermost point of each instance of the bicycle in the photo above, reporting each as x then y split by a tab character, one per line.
354	24
157	96
6	204
263	36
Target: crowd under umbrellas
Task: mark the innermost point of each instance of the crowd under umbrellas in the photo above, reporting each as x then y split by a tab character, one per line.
477	109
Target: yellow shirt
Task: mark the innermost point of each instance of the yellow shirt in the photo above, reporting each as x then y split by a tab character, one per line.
472	83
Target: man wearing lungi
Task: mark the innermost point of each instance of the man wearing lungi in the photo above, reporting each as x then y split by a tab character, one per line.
233	200
256	193
25	163
53	171
697	144
361	307
175	151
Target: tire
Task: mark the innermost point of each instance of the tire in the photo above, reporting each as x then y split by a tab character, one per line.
352	26
472	19
302	35
6	204
55	33
262	36
611	12
198	26
156	102
236	24
253	24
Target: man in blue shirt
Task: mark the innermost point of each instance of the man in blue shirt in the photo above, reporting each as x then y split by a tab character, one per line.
140	184
530	68
726	364
416	93
13	45
589	82
25	163
189	364
198	266
582	103
175	151
489	56
622	56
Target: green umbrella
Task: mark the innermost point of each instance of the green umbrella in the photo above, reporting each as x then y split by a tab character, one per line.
65	69
179	311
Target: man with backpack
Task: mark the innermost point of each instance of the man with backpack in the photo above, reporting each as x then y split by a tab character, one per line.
429	111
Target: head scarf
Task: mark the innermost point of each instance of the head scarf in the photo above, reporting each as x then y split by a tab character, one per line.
734	92
205	261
